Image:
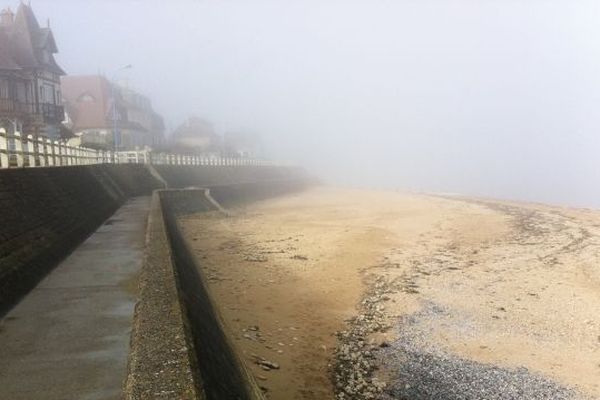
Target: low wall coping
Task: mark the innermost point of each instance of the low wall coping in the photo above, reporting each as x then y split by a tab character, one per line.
160	359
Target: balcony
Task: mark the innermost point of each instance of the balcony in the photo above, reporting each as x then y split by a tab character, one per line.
52	113
11	108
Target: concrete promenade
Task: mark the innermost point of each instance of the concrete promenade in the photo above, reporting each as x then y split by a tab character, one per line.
69	337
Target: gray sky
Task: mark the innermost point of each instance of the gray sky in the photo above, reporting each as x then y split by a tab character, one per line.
496	98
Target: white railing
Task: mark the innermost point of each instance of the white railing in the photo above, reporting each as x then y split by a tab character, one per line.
19	151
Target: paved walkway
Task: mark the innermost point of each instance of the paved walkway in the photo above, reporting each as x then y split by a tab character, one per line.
69	338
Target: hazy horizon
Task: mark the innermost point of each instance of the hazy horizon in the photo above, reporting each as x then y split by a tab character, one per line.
497	99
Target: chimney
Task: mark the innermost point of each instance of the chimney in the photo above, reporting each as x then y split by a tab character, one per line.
7	17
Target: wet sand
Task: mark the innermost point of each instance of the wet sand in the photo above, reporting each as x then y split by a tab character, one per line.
484	283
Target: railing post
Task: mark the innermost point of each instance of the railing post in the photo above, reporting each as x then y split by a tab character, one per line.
64	154
56	152
50	148
18	149
59	152
68	154
28	146
41	152
3	149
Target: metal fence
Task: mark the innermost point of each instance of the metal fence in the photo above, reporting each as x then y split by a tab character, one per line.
18	151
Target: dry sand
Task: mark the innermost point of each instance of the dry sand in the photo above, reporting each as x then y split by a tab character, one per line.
518	284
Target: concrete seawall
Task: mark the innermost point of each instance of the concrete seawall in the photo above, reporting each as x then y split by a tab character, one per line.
49	211
179	349
219	368
181	176
179	344
52	210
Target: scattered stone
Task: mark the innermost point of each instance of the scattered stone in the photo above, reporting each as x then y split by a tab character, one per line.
424	370
355	354
267	365
256	258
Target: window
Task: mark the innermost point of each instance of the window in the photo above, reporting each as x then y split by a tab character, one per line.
86	98
50	97
4	89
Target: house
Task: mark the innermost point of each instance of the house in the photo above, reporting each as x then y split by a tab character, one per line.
242	144
106	116
196	136
30	97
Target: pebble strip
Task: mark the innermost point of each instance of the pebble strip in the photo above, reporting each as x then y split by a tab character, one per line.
419	369
424	371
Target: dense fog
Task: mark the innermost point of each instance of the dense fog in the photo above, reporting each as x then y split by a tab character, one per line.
491	98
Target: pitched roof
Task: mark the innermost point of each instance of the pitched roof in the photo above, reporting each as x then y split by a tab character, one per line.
7	61
28	42
195	127
88	101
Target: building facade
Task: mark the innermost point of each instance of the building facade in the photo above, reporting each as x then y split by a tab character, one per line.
196	136
30	94
104	115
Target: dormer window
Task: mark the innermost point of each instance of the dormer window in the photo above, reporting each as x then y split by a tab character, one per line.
46	56
86	98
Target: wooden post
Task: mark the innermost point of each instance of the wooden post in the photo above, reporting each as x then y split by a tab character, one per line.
41	153
18	149
68	157
3	149
50	150
56	152
28	147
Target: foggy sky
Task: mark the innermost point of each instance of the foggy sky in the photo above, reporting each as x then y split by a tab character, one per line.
492	98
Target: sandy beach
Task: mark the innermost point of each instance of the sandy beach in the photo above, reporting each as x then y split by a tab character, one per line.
365	294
